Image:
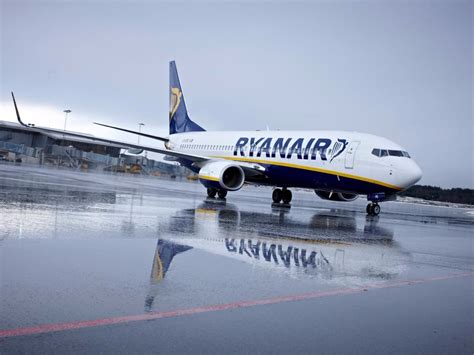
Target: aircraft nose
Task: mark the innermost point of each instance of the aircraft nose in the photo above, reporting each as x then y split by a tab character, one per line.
417	173
412	174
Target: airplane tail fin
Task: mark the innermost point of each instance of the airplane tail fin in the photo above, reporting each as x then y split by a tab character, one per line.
179	119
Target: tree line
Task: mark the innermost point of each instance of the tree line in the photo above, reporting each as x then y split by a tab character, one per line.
434	193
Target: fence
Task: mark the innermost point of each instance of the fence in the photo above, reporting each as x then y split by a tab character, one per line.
70	152
18	149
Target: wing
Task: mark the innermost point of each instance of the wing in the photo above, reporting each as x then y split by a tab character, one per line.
250	169
134	132
198	160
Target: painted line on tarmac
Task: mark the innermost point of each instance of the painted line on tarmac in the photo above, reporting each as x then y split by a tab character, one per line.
57	327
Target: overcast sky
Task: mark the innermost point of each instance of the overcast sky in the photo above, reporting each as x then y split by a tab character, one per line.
398	69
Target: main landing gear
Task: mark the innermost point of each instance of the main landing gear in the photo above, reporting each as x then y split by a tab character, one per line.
211	192
373	209
282	196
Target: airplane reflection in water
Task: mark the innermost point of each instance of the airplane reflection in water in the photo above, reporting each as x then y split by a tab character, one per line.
164	254
329	246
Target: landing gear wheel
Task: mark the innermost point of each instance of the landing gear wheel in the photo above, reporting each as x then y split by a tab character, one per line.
375	209
222	194
287	196
211	192
277	195
369	209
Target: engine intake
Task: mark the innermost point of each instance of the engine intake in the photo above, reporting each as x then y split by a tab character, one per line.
222	175
336	196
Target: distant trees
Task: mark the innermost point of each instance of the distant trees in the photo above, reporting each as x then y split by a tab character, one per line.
434	193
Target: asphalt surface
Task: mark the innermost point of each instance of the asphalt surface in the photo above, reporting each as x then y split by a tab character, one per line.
130	264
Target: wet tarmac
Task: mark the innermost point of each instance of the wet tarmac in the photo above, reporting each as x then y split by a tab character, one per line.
132	264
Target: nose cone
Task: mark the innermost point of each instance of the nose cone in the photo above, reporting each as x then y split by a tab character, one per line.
411	174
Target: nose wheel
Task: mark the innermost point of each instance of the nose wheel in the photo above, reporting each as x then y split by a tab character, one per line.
373	209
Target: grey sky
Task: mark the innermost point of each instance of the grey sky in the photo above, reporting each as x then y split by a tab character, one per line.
399	69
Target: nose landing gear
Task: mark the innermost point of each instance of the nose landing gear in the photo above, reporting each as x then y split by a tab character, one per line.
373	209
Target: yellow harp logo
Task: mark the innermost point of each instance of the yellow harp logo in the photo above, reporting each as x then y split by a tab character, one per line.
157	269
175	100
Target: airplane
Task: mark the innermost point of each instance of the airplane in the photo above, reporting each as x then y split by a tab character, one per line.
332	246
337	165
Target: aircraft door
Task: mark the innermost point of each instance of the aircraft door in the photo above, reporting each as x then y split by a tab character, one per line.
350	155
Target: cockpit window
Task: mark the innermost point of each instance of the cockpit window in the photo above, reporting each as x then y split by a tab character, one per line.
395	153
389	152
376	152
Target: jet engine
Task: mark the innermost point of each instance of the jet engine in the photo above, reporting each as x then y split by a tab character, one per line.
336	196
222	175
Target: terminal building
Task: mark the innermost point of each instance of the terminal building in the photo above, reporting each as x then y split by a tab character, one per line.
30	145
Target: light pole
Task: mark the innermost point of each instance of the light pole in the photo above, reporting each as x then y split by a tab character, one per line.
65	118
140	130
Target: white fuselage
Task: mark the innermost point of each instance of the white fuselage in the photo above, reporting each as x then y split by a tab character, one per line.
327	160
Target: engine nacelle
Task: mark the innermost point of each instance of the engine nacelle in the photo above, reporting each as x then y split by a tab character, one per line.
222	175
336	196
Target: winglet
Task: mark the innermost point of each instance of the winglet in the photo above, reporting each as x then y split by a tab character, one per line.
16	110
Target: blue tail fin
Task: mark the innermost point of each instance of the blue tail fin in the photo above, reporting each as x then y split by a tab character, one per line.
179	119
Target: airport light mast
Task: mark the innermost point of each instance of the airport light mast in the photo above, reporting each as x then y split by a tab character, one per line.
65	118
140	130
